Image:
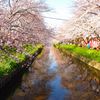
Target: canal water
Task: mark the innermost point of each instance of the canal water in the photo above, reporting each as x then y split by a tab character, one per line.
56	76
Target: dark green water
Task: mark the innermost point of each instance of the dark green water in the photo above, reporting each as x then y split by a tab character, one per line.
56	77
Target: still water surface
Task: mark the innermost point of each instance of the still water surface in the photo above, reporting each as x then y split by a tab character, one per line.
58	77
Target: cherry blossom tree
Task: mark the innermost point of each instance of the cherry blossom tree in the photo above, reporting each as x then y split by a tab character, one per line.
21	22
86	19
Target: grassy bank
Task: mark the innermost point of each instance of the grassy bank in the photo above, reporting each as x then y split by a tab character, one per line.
80	51
10	59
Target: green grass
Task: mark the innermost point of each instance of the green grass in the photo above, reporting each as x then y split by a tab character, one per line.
80	51
10	60
30	49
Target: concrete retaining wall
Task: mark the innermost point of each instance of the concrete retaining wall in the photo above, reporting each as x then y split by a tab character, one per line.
91	63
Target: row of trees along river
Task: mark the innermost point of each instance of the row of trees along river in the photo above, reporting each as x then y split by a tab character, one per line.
52	76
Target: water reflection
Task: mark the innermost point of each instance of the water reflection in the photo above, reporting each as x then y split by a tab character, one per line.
57	77
53	64
58	91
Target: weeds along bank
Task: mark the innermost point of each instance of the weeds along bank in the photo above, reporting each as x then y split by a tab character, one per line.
12	62
89	56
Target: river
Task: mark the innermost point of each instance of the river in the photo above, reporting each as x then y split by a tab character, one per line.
55	76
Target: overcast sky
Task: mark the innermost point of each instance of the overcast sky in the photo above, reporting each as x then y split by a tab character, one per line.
61	9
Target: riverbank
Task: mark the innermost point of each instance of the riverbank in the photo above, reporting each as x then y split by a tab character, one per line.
54	74
11	65
88	56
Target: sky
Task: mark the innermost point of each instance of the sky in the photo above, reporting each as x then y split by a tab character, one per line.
61	9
